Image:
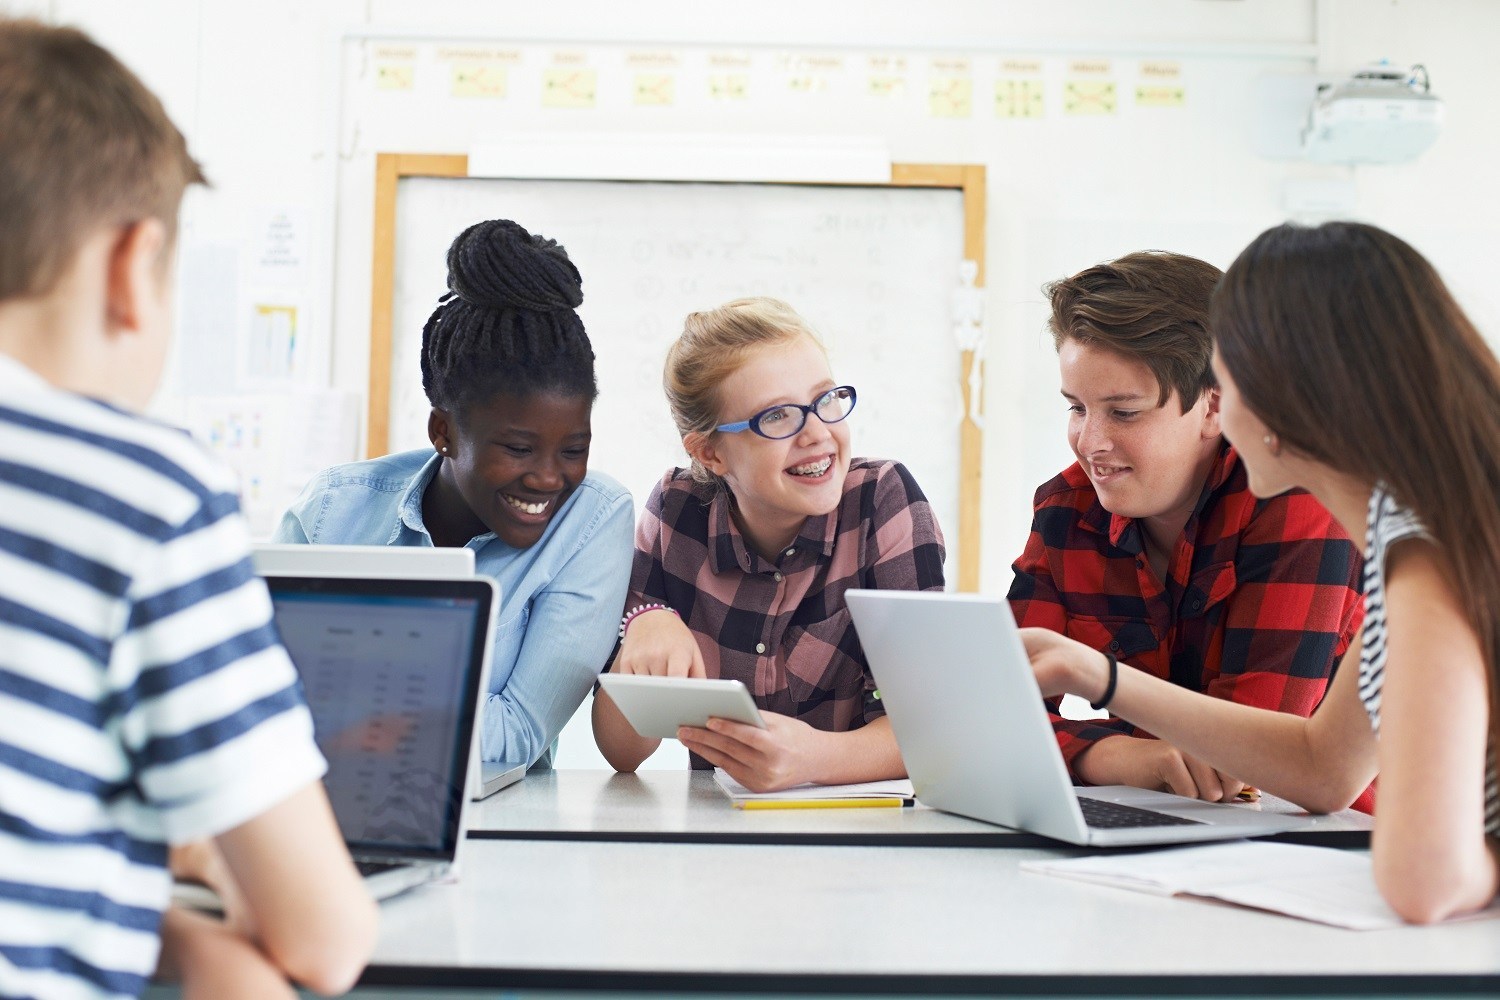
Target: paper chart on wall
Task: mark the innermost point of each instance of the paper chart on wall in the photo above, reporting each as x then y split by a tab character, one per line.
272	349
275	443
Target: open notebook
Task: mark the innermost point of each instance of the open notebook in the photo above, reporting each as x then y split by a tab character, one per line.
897	790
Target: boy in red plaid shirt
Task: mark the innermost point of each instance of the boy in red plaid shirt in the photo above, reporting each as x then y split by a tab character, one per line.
1151	545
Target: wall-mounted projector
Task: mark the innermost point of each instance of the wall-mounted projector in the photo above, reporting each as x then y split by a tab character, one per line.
1382	114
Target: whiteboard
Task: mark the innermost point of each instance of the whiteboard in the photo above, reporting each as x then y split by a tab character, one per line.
872	269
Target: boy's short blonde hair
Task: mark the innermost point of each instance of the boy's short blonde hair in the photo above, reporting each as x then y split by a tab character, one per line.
83	144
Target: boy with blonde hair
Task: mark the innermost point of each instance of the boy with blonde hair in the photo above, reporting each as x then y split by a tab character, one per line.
145	699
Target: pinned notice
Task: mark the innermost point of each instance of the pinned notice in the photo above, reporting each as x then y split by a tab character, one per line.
951	97
395	67
282	245
729	86
1160	95
1160	85
569	88
1089	97
477	80
655	89
1019	98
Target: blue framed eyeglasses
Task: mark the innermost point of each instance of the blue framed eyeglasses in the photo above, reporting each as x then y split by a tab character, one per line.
787	419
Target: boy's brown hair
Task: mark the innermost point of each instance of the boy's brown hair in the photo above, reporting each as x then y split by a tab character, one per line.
83	144
1151	306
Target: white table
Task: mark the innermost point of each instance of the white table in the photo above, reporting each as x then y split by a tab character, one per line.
652	885
670	917
687	807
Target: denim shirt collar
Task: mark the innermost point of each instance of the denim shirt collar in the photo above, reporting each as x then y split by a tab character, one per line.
410	506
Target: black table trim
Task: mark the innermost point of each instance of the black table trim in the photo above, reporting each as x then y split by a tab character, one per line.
1013	841
1233	984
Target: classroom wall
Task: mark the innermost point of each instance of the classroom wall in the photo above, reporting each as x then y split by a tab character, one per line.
280	101
268	95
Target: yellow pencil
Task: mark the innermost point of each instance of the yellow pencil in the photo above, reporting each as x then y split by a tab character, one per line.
820	803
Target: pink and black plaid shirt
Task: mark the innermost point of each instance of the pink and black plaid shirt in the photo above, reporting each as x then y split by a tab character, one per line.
781	625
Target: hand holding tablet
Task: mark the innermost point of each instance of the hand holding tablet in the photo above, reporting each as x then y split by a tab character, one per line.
658	706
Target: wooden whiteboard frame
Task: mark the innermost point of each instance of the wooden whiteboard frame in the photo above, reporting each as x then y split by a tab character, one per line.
969	179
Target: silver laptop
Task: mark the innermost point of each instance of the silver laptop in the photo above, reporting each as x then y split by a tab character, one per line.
977	741
282	559
294	559
395	672
497	774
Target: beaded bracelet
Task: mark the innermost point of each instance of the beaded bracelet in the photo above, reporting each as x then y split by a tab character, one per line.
641	609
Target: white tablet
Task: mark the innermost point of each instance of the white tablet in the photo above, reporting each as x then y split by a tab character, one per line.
656	706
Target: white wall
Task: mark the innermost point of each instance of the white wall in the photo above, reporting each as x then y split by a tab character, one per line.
271	102
276	99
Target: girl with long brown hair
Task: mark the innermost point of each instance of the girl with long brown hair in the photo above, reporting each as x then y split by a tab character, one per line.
1347	368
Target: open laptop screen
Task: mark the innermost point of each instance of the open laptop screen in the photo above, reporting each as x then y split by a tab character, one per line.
391	671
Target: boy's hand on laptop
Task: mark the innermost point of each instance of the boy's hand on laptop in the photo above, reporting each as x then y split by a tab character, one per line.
763	760
1154	764
1066	666
1063	665
659	644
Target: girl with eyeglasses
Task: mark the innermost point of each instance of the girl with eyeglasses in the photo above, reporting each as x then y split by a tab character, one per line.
742	559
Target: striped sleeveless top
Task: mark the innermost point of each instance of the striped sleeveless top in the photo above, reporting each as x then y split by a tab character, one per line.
1387	524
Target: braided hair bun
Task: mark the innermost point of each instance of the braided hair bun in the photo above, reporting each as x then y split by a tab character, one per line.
499	265
507	326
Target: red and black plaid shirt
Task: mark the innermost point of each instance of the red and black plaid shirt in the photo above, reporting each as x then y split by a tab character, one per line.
1261	596
782	625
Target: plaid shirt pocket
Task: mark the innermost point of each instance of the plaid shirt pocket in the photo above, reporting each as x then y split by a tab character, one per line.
1124	637
1207	588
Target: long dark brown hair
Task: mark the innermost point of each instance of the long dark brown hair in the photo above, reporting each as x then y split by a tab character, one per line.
1349	347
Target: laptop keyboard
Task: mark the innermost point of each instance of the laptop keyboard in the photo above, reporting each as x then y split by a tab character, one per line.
1113	816
375	867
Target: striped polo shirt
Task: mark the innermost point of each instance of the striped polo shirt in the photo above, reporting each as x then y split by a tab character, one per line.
144	696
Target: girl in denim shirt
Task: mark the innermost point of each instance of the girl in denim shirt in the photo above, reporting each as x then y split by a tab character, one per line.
509	371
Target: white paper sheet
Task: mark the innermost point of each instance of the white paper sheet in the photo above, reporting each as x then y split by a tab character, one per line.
897	788
1321	884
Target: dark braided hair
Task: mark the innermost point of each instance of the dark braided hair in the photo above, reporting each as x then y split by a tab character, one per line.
508	325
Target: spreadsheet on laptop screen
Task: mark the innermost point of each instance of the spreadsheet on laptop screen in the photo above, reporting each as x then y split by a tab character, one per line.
384	678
